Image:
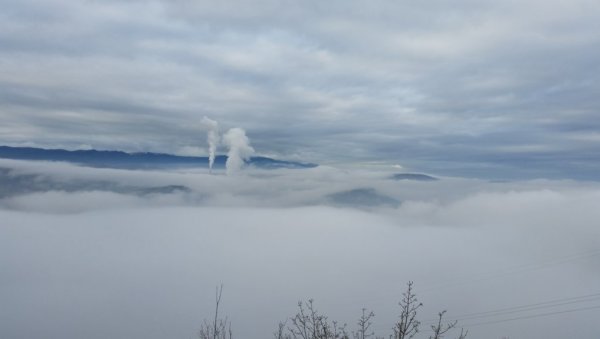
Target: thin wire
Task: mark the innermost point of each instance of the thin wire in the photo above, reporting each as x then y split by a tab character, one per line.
526	308
535	316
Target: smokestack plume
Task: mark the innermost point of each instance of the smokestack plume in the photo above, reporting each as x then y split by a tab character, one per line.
213	140
239	149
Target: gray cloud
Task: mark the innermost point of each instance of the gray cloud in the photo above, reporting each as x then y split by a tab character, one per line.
429	85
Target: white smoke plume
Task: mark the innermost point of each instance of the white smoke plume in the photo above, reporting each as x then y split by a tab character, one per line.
213	139
239	149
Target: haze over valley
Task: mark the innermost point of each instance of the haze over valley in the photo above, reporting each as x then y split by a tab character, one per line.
152	151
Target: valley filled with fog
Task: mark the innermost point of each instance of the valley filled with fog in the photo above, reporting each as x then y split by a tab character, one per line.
116	253
152	151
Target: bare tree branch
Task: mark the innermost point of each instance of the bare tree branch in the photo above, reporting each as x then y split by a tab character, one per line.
408	325
219	328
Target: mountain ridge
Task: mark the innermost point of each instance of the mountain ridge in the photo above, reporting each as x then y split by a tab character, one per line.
138	160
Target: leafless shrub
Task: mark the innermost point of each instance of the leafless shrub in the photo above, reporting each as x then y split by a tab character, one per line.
308	323
439	330
219	328
408	325
364	323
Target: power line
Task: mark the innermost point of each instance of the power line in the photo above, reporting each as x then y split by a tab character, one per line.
518	309
527	307
535	316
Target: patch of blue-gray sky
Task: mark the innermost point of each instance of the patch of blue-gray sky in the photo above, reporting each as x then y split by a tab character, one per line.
491	89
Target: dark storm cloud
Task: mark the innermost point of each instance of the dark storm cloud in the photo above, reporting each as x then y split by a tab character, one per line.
332	82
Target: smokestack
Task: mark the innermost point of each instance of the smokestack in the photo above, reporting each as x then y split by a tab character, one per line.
213	140
239	149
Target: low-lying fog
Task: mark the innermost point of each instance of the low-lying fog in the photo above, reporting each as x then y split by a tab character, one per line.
104	253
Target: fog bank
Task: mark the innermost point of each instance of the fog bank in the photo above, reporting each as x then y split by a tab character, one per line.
98	253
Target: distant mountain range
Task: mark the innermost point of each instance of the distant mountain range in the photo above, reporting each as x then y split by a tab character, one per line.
118	159
413	176
362	197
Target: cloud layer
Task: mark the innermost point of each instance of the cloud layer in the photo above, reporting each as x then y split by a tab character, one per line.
494	89
98	253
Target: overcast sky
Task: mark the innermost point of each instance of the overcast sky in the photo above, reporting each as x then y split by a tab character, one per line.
501	89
